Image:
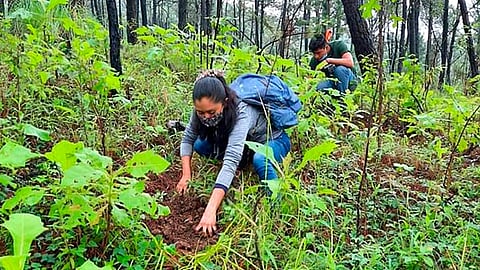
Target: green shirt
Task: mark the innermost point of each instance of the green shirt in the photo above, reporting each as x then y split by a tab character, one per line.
337	49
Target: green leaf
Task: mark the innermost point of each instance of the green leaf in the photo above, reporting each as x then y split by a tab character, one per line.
146	161
89	265
13	155
316	152
132	199
37	132
64	154
44	76
368	7
23	228
79	175
28	195
121	216
92	157
274	185
326	191
262	149
13	262
7	180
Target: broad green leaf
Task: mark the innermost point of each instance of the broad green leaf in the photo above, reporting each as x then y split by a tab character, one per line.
13	262
27	195
6	180
64	153
13	155
23	228
89	265
274	185
326	191
121	216
146	161
316	152
92	157
261	149
132	199
79	175
368	7
37	132
163	210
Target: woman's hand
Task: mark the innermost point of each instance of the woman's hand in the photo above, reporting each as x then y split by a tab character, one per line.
208	222
182	184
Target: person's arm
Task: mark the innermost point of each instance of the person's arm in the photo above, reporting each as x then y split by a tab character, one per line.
346	60
186	151
233	155
186	174
209	218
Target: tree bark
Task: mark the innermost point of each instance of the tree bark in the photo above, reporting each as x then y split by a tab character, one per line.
114	35
143	7
361	37
413	33
443	49
306	17
132	21
401	53
182	14
154	12
205	11
450	52
472	58
428	62
256	16
283	27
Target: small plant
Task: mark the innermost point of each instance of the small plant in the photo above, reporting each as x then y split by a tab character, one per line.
23	228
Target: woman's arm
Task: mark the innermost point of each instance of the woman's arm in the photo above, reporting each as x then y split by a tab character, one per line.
209	219
186	174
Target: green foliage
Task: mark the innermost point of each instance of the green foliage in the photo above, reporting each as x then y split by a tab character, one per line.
23	228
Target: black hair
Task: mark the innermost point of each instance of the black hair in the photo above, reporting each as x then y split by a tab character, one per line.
216	89
317	42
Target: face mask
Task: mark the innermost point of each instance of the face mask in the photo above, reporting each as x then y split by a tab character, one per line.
212	121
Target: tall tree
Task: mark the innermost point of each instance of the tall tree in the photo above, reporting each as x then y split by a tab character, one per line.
361	37
132	21
182	14
443	49
413	33
470	48
284	26
205	11
428	62
306	20
154	11
143	8
256	19
401	52
114	35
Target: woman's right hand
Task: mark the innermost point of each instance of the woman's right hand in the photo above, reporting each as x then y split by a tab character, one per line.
182	184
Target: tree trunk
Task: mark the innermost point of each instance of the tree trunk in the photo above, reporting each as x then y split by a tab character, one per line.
256	16
306	18
401	53
143	7
154	12
413	34
132	21
443	49
361	37
262	22
114	36
283	27
470	48
450	52
205	9
428	62
182	14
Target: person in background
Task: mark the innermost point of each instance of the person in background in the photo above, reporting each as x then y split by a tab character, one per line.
218	128
339	63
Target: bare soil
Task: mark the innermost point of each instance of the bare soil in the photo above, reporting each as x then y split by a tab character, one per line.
186	211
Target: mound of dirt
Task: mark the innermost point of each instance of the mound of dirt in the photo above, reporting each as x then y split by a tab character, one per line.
186	211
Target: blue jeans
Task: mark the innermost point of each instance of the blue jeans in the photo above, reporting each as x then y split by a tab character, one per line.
344	76
265	170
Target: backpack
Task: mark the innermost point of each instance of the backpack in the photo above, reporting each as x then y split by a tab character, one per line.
269	91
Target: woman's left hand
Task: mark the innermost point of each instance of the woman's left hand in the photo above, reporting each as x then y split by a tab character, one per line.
208	223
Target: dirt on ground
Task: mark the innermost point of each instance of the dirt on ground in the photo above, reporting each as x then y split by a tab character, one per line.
185	213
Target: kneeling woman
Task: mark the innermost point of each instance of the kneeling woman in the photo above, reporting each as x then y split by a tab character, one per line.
218	128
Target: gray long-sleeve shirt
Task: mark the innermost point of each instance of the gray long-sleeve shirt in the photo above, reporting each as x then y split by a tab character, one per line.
251	123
